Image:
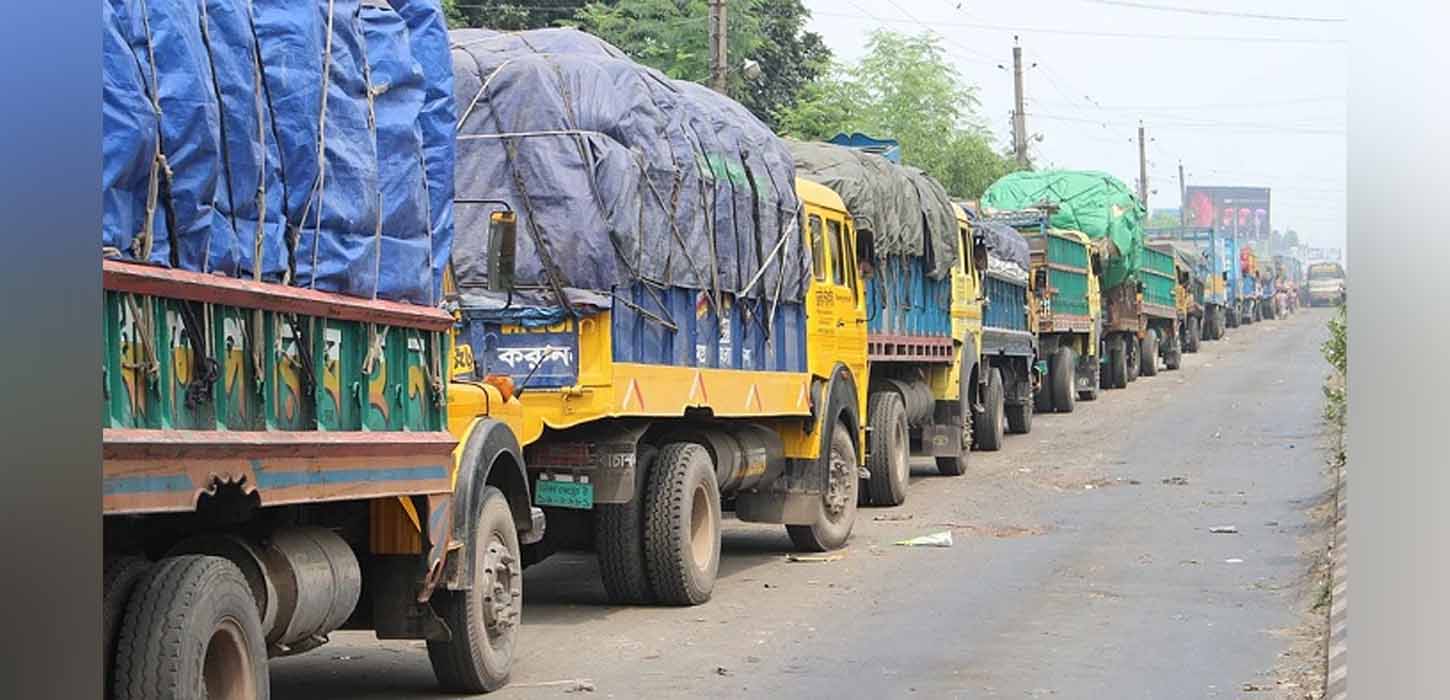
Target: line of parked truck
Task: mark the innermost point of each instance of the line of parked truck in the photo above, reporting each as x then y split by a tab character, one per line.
360	373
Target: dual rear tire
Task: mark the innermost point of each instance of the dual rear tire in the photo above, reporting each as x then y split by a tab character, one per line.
989	426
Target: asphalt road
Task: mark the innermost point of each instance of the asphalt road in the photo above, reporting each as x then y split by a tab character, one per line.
1082	566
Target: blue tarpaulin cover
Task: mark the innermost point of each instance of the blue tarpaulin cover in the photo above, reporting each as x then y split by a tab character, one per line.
129	146
272	116
617	173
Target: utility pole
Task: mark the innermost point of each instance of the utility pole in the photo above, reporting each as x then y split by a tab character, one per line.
1142	166
718	61
1019	116
1182	200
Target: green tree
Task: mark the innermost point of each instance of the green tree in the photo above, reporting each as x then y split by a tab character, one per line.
671	35
1164	219
906	89
790	59
510	16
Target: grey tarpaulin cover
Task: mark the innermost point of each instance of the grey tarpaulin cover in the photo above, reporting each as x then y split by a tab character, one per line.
1007	249
617	173
900	207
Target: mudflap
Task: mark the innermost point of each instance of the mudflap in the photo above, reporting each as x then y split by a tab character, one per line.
391	584
939	440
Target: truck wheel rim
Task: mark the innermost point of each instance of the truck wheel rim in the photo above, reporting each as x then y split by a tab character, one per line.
702	533
501	584
227	666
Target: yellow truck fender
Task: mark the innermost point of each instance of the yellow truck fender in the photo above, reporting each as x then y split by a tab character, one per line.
490	456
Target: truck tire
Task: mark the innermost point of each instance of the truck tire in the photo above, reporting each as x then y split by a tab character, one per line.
619	541
990	425
1063	374
1042	398
838	506
890	460
682	525
1133	359
118	579
1117	363
191	630
1173	359
1191	334
1148	355
957	466
1019	417
485	618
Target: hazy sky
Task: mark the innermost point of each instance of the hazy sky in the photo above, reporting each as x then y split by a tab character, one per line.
1243	100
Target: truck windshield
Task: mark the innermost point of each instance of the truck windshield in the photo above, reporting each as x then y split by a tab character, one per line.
1325	272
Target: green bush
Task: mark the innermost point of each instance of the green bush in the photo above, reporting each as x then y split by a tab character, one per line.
1336	352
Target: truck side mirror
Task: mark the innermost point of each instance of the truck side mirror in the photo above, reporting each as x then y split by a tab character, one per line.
502	250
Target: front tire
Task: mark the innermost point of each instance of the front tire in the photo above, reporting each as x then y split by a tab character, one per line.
957	466
990	426
682	525
890	460
837	513
485	618
191	630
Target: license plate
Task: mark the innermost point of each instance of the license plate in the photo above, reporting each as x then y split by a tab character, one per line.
564	494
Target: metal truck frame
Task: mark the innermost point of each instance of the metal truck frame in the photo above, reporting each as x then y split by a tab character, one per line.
279	463
636	460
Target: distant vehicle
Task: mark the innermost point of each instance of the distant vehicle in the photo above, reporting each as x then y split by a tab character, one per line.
1326	284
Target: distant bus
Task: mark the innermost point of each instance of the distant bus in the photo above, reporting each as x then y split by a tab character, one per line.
1326	284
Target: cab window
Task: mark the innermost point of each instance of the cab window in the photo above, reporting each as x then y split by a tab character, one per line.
818	248
851	268
838	256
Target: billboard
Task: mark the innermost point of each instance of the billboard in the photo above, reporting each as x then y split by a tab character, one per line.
1229	209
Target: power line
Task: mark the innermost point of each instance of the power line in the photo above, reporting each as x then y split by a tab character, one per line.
1120	35
1221	105
1263	127
1215	13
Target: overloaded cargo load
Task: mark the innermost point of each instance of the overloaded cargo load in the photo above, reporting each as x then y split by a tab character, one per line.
1092	202
1008	255
620	177
300	142
903	210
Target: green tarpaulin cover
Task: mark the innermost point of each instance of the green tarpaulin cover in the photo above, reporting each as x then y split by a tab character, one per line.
1093	202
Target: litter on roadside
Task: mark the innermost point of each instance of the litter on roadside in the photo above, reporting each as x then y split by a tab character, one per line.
937	539
836	556
1224	530
1233	561
893	517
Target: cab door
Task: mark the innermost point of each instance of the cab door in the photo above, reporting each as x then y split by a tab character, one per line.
850	296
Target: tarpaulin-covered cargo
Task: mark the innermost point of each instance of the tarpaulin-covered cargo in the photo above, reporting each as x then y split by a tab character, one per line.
1009	260
912	226
270	118
1092	202
617	173
904	211
1007	251
658	199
